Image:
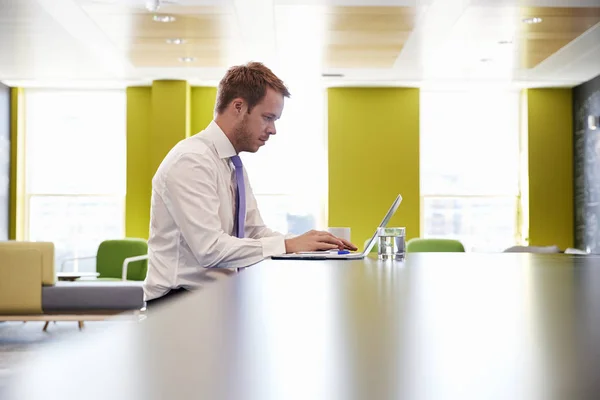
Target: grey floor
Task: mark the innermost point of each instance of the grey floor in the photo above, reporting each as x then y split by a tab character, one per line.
18	339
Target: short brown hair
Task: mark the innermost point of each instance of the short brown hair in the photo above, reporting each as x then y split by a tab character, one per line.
248	81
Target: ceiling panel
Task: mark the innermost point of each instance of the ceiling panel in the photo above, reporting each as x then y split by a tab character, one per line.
33	44
558	27
398	42
490	41
366	37
535	3
204	30
353	3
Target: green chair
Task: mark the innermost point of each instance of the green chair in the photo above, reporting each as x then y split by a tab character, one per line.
421	245
120	259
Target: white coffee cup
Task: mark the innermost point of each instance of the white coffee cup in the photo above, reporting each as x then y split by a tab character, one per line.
341	232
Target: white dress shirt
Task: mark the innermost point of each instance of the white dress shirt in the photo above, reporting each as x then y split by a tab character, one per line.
192	216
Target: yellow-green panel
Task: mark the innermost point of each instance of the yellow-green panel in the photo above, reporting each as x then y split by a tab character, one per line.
17	165
550	151
202	107
170	118
373	156
139	176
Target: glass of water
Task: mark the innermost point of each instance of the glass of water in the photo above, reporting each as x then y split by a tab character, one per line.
392	245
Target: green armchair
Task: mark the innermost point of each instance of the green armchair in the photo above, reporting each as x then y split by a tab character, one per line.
421	245
120	259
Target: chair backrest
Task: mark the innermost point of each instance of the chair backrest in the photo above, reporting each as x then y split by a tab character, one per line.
111	253
532	249
421	245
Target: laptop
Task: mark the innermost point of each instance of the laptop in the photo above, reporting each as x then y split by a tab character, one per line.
334	254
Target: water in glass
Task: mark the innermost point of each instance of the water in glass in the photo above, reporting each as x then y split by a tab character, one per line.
391	243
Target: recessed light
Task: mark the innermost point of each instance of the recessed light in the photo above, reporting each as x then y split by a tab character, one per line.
175	41
486	60
153	5
186	59
505	42
163	18
533	20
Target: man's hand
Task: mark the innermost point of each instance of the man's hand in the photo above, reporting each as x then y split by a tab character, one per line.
317	240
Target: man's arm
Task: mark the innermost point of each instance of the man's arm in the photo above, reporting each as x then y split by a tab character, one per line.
192	199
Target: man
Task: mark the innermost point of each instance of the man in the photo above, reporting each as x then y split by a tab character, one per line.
203	212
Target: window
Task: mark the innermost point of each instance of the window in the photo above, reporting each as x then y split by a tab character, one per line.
4	160
75	171
470	167
289	174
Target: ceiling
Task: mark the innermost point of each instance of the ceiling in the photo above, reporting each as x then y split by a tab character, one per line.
116	43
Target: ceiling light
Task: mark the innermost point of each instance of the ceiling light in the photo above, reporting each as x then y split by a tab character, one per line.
175	41
153	5
186	59
163	18
486	60
533	20
505	42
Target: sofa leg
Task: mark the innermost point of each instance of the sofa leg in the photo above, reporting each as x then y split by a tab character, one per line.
46	326
80	323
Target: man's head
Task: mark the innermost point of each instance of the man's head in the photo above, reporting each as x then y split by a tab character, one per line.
249	101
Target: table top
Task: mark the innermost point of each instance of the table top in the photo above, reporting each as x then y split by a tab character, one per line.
71	275
436	326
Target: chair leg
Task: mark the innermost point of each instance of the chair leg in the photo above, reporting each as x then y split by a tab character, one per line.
80	324
46	326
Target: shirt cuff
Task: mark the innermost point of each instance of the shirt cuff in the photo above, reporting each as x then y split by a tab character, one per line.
273	245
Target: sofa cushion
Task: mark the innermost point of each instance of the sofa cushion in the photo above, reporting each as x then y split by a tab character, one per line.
92	296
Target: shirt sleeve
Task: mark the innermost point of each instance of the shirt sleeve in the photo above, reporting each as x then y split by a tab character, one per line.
191	197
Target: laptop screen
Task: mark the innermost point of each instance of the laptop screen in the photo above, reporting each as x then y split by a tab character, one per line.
385	221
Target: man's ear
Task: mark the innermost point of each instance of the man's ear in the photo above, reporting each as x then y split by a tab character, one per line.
238	105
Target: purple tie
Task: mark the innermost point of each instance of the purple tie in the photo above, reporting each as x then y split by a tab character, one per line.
240	203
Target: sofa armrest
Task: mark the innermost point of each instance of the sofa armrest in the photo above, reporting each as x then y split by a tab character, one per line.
21	275
44	249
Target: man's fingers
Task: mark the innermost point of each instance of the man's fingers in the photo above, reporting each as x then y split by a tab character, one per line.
333	240
348	245
326	246
330	241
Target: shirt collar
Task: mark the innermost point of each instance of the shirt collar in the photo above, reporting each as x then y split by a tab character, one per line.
221	142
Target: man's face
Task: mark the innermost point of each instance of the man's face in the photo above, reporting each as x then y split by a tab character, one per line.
254	128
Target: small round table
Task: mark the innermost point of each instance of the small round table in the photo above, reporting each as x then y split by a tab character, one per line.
71	276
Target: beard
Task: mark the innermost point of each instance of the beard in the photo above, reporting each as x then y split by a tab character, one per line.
243	135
